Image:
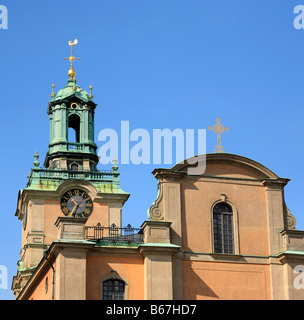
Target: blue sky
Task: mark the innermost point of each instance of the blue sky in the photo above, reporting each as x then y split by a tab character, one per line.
157	64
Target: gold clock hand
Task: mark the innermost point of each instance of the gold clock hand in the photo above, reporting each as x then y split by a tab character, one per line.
73	209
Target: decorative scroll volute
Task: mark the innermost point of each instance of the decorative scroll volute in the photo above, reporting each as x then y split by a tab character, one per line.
289	219
155	212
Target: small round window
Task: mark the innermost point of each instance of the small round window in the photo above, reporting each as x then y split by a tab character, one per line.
74	105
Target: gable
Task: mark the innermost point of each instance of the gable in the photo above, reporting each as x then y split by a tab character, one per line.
229	165
233	170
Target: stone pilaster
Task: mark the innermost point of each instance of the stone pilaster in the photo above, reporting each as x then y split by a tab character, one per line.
158	251
71	228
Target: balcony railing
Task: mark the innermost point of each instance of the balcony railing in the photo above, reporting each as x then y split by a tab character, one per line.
74	146
114	234
69	174
38	175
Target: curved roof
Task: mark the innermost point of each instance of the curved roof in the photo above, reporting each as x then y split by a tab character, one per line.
227	161
72	89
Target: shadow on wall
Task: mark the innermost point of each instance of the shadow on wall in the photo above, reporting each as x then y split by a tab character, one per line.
198	288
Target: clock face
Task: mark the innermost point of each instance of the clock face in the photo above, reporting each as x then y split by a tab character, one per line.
76	203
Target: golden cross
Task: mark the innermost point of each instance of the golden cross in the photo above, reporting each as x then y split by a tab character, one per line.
219	129
72	72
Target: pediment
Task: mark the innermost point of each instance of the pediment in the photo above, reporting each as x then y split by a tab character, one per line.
229	165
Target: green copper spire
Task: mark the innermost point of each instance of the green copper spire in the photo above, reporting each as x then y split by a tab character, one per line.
71	151
72	90
71	108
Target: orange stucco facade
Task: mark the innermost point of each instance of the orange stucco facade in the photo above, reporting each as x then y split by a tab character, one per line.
42	288
229	281
98	268
176	258
130	269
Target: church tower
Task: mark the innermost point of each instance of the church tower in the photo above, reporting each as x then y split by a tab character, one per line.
69	185
228	222
71	112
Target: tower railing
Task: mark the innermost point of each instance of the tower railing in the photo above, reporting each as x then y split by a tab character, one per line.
66	146
38	174
75	146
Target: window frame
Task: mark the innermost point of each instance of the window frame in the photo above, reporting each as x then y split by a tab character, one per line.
112	286
234	224
114	276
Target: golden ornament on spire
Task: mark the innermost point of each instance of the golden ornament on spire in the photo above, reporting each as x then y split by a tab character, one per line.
53	93
72	72
219	129
91	96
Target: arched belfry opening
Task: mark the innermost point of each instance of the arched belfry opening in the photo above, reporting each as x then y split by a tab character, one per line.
74	128
71	113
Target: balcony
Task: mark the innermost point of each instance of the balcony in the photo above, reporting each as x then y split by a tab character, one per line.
113	234
74	146
51	178
64	146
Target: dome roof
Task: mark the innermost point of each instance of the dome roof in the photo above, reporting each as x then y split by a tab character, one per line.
72	89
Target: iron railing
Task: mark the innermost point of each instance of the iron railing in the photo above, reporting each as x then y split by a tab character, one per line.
114	234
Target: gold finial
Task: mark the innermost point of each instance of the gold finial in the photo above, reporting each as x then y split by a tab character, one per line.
53	93
219	129
72	72
91	96
115	166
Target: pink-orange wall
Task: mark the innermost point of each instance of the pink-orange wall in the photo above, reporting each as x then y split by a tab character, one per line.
38	292
225	281
197	199
129	268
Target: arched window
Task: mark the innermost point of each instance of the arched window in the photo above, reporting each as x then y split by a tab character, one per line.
74	132
223	239
74	167
113	289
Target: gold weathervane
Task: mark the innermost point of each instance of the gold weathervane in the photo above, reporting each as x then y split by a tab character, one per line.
219	129
72	72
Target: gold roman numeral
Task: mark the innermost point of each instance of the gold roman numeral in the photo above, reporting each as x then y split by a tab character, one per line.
65	210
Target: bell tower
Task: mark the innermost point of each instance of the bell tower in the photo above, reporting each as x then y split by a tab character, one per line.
69	185
71	113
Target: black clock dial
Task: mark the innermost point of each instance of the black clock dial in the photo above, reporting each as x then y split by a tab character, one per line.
76	203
